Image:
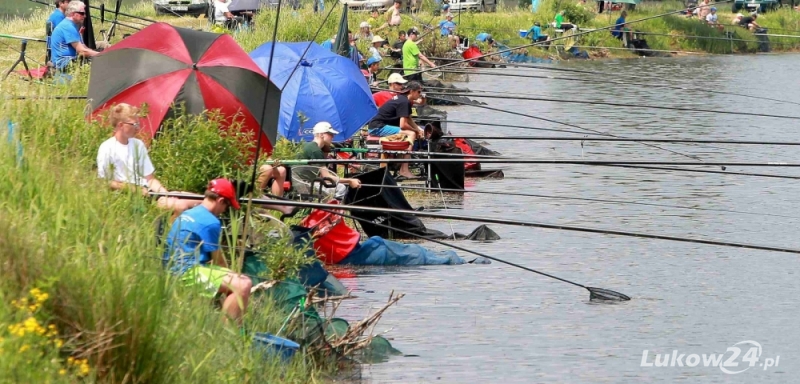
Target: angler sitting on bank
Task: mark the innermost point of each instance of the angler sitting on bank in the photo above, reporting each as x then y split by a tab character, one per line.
315	150
536	35
394	117
123	160
193	250
749	22
66	43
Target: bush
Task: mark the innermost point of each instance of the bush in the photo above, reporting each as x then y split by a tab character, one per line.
190	151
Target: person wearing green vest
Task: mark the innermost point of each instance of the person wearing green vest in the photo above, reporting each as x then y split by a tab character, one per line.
412	56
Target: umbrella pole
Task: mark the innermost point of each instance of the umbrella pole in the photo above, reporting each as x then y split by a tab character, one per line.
261	125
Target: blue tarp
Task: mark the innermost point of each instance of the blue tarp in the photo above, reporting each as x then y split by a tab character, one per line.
379	251
325	87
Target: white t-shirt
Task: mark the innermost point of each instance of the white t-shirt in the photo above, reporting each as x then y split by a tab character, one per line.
711	18
220	9
126	163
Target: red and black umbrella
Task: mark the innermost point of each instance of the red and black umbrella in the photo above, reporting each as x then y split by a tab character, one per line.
166	67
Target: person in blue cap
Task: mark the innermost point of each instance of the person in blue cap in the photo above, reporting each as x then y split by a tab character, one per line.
373	67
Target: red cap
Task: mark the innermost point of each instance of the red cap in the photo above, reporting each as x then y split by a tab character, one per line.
225	189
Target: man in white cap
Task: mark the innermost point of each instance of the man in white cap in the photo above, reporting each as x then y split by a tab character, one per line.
396	84
315	150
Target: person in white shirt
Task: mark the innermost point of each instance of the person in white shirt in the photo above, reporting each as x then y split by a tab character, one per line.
123	160
712	17
221	13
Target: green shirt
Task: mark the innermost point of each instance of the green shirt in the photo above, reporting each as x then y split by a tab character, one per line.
410	57
307	173
559	20
311	151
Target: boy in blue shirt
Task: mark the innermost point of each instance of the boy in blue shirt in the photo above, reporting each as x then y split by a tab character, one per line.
65	43
193	250
57	16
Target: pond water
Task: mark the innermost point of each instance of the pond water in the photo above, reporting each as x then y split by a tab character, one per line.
494	323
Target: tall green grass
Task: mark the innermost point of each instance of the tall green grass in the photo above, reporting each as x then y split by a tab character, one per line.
94	253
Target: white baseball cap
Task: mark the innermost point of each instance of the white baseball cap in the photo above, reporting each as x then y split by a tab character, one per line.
396	78
324	127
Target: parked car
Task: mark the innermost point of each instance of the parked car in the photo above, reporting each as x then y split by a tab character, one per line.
181	7
473	5
759	6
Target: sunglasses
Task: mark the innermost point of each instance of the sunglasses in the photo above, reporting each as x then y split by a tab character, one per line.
80	13
135	125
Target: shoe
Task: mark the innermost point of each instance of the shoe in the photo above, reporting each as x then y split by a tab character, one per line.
291	214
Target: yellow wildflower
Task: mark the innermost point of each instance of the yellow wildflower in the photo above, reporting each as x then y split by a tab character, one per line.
62	372
24	348
84	369
70	360
58	343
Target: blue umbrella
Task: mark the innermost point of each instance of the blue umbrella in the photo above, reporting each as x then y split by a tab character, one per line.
325	87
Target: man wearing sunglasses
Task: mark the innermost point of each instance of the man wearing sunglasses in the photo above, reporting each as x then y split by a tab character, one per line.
65	43
123	160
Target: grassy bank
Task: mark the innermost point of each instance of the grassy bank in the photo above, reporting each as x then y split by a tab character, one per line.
84	296
670	32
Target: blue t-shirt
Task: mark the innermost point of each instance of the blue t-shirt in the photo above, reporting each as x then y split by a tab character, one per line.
327	44
483	36
192	238
447	27
535	32
61	41
55	18
616	31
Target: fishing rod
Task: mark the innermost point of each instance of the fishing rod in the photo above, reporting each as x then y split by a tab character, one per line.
573	126
591	200
717	38
93	16
310	42
506	160
627	139
103	9
23	38
417	153
613	104
502	125
766	175
485	72
606	28
594	292
518	223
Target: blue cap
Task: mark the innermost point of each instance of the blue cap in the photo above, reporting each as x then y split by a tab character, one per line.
373	60
713	8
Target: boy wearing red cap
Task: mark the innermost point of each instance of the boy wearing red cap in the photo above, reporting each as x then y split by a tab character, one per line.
193	249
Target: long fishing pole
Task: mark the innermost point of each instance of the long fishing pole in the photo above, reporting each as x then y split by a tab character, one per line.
491	124
573	126
94	17
22	38
586	199
98	8
481	71
518	223
627	139
595	293
613	104
717	38
606	28
507	160
727	173
310	42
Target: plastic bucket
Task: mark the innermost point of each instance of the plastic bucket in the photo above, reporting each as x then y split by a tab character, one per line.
395	145
523	33
275	345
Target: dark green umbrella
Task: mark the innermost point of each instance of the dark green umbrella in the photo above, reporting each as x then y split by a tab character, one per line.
342	43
